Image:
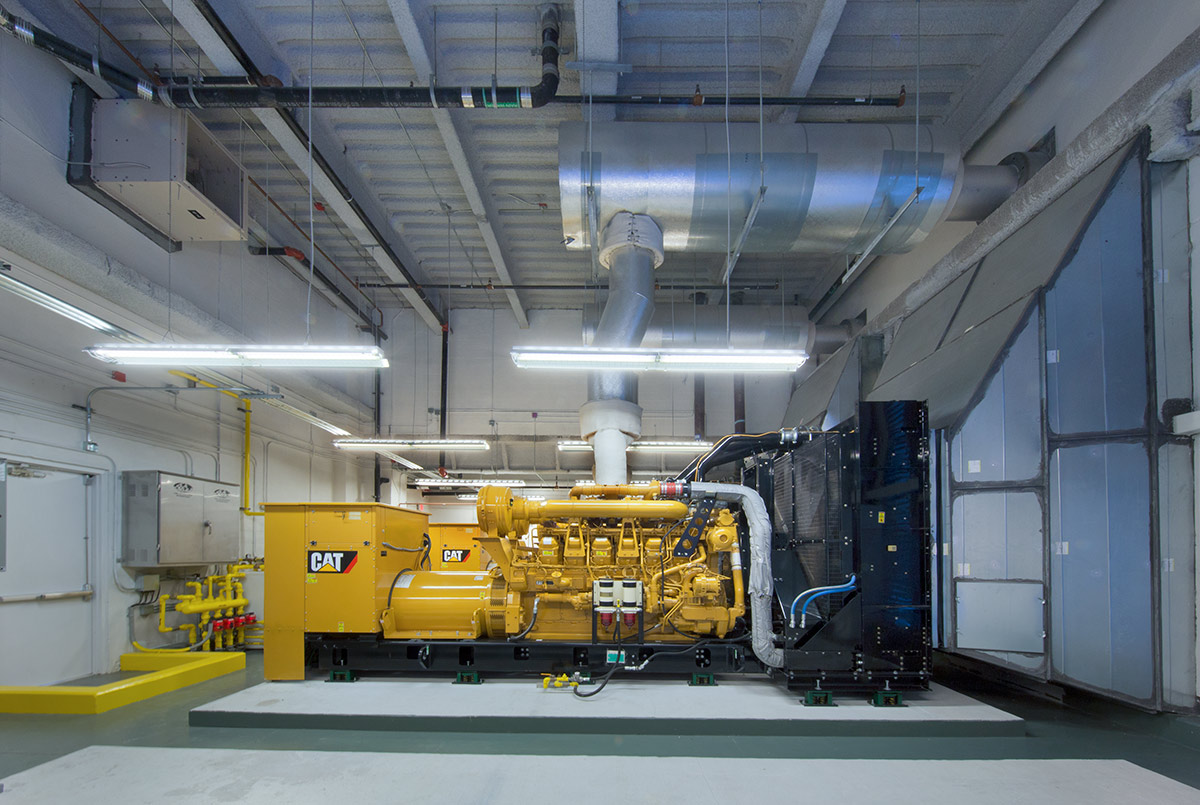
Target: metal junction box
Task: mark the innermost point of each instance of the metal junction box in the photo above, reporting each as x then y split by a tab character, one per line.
174	520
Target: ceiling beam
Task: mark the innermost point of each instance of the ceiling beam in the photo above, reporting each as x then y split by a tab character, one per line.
390	257
816	28
1014	66
482	207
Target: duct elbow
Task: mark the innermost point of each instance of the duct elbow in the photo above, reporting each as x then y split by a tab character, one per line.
544	92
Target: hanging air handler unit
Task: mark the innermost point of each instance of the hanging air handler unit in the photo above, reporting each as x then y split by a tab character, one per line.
814	569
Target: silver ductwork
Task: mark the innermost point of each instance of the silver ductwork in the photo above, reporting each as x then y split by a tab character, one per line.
631	249
831	187
749	327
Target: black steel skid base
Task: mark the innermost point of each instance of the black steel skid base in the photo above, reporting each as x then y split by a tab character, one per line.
372	655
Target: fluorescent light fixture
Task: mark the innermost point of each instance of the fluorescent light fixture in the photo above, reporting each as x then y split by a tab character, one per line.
307	417
465	482
448	445
401	460
652	446
471	498
293	357
746	361
56	305
648	445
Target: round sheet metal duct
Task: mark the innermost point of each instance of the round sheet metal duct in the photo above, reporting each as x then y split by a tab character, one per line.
741	327
611	419
831	187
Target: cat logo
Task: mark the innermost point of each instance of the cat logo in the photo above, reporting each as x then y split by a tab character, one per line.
182	489
331	561
455	554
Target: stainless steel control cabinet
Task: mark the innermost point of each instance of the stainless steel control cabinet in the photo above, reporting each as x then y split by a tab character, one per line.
174	520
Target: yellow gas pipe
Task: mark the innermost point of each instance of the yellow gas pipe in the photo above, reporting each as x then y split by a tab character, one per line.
644	491
246	403
229	602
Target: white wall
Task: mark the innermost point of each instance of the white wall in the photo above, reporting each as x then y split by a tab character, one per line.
257	296
133	430
44	374
486	386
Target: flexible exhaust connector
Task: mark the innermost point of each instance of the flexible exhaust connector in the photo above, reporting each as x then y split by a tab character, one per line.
762	639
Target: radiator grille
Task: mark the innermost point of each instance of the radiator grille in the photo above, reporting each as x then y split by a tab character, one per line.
808	503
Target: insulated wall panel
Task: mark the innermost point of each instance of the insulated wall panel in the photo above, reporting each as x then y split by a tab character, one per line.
1003	616
1001	439
997	535
1095	323
1029	257
811	398
921	333
1102	622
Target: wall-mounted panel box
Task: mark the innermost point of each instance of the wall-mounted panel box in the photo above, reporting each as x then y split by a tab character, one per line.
174	520
166	167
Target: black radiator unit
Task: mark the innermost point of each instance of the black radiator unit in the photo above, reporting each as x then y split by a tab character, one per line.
853	504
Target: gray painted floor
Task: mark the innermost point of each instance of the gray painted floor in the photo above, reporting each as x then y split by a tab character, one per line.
1168	745
121	775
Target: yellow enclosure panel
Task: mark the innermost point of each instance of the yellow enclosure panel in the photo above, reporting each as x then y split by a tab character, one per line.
456	547
331	567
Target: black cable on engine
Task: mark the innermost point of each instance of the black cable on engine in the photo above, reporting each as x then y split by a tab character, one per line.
428	544
532	620
393	587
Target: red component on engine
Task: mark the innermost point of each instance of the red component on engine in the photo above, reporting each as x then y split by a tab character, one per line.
630	619
673	489
240	620
251	618
218	625
606	619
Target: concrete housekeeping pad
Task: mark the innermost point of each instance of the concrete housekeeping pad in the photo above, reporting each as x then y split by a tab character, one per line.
625	706
120	775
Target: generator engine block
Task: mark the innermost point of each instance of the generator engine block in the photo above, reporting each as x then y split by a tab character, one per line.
604	564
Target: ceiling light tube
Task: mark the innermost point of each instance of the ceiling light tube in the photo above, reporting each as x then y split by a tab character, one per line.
401	460
257	355
307	417
448	445
56	305
648	445
681	446
746	361
465	482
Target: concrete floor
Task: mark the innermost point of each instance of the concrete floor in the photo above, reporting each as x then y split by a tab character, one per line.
1089	729
119	775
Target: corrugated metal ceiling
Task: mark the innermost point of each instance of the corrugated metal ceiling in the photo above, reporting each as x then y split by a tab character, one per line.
673	45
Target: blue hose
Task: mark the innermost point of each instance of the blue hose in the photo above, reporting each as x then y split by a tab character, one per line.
815	593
